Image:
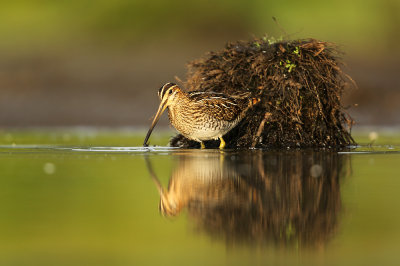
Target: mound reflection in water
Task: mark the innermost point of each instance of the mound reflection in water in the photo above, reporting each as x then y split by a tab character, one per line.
286	198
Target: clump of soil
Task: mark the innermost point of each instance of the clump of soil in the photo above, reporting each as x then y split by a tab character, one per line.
299	84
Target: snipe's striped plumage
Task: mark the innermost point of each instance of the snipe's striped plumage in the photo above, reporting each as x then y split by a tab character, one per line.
201	116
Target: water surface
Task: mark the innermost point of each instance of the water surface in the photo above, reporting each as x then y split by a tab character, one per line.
106	205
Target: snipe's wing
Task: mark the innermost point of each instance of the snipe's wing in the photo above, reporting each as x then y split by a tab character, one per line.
219	105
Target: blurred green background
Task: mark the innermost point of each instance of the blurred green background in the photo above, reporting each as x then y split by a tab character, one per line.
99	63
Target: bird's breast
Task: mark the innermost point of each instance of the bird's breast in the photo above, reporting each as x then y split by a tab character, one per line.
198	125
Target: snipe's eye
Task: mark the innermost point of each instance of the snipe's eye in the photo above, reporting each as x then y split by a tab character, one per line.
170	92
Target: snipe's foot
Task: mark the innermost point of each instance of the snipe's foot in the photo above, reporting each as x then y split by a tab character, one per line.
222	143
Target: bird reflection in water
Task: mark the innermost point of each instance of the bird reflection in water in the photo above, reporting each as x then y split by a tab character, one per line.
254	197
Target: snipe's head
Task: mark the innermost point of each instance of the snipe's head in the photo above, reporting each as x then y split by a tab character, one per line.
168	94
168	207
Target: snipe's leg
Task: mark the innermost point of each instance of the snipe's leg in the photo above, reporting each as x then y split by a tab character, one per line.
222	143
202	145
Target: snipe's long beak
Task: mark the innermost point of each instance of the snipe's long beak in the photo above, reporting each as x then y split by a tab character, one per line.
154	177
161	109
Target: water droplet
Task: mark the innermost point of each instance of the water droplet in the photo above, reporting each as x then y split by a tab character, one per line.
49	168
316	170
373	135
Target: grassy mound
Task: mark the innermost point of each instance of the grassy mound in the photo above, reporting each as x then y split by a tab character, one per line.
299	83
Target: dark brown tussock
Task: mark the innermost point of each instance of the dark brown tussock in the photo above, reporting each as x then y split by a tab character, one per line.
299	84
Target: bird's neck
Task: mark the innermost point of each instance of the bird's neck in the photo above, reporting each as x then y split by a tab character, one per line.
178	108
181	100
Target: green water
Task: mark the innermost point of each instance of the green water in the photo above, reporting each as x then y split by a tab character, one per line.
95	200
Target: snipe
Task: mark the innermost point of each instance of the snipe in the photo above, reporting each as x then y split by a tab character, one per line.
201	116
